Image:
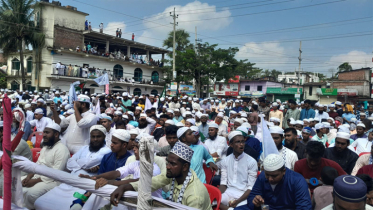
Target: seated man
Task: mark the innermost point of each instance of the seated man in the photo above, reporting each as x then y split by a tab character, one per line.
54	155
171	138
278	187
238	173
85	161
217	144
40	121
193	194
248	149
363	161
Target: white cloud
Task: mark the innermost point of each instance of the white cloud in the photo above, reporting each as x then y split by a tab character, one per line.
357	59
111	28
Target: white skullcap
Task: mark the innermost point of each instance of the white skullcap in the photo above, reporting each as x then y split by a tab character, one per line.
70	111
243	129
330	118
232	134
176	110
125	94
319	126
182	103
181	131
130	113
213	125
273	162
247	125
83	98
27	106
195	99
54	126
38	111
362	114
170	111
310	119
118	113
274	119
122	135
276	130
162	99
243	115
292	121
274	104
194	128
199	114
360	125
331	105
326	124
40	100
68	106
98	127
138	108
338	103
179	124
143	115
316	119
134	132
140	97
299	122
278	100
192	121
187	112
170	122
125	116
239	121
306	120
346	125
344	129
353	119
343	135
220	114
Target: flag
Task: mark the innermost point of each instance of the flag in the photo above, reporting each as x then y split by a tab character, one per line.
72	93
163	92
148	104
269	146
80	86
103	80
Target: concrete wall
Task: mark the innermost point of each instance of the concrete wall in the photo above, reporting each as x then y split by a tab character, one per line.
314	96
363	87
254	85
355	75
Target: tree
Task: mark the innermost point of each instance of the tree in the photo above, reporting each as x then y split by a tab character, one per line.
275	73
17	29
344	67
181	39
266	73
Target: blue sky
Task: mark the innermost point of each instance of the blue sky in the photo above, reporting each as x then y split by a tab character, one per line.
267	32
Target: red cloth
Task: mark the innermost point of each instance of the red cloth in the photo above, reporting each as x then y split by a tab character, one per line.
301	167
368	170
7	163
333	115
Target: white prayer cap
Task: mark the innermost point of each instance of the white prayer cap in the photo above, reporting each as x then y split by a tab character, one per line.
325	105
189	98
176	110
187	112
281	108
40	100
170	122
38	111
83	98
143	115
326	124
118	113
162	99
310	119
124	94
134	132
181	131
183	151
274	104
362	114
244	120
195	99
192	121
140	97
46	90
319	126
170	111
353	120
169	98
188	109
343	135
302	102
239	121
185	97
64	103
270	124
292	121
57	92
274	119
98	127
247	125
360	125
151	95
232	134
125	116
317	104
183	103
300	122
122	135
68	106
220	114
70	111
179	124
331	105
233	112
346	125
119	108
27	106
130	113
306	120
54	126
273	162
330	118
343	129
213	125
243	129
223	99
138	108
243	115
338	103
316	119
276	130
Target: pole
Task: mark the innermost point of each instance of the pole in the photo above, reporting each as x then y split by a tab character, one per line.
300	61
174	16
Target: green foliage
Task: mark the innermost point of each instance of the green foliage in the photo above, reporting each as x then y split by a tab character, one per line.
3	80
181	40
344	67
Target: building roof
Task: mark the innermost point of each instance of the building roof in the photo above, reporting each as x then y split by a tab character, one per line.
361	69
314	83
63	7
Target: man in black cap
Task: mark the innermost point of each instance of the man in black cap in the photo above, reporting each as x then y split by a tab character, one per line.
349	192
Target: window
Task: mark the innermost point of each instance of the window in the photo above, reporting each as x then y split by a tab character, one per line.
247	87
310	90
29	65
16	65
138	75
118	71
154	92
14	85
155	77
260	88
29	87
137	92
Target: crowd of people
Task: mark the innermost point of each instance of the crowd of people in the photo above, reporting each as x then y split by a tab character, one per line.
264	155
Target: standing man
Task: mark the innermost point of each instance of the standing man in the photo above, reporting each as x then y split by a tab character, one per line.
338	104
126	102
276	113
101	26
292	112
332	113
253	118
307	112
292	143
78	125
204	127
263	108
321	114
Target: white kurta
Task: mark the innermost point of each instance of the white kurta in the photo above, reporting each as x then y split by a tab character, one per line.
108	137
239	175
55	158
77	133
362	145
219	145
40	124
29	116
148	129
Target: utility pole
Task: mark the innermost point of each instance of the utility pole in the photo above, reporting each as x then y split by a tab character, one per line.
196	47
300	62
174	16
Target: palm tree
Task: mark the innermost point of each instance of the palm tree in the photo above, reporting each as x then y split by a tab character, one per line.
17	29
344	67
181	39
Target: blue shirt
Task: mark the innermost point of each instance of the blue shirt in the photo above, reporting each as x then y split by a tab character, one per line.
177	119
204	130
56	99
237	109
354	137
27	131
348	116
110	162
200	154
134	123
290	193
253	143
307	114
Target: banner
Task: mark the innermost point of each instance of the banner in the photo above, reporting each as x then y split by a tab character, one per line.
103	80
327	91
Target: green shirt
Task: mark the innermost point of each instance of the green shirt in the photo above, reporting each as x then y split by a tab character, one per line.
195	194
295	114
323	140
127	103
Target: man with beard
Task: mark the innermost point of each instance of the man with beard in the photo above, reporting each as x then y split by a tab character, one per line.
194	194
307	112
126	102
338	104
341	154
360	132
137	113
289	156
321	114
85	161
292	143
174	104
306	132
217	144
78	125
40	121
146	124
22	149
53	155
332	113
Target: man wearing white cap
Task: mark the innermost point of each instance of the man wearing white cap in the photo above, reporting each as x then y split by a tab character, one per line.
278	187
360	132
321	114
85	161
223	126
332	113
57	98
288	155
276	113
363	144
238	173
78	125
146	124
194	194
338	105
53	155
126	102
217	144
40	104
174	104
40	122
341	154
177	116
106	121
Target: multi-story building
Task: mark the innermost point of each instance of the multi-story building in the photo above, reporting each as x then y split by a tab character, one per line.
86	55
293	78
